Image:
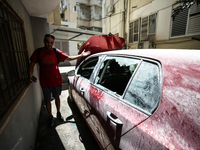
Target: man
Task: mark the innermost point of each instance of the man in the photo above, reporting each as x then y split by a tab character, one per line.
50	77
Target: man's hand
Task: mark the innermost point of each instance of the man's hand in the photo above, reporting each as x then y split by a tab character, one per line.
83	54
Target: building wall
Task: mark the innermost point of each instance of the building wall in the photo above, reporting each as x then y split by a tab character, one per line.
18	128
139	9
72	15
113	22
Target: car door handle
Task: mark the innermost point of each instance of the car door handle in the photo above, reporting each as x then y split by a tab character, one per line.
114	119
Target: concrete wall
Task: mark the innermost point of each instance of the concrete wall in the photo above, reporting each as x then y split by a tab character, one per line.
18	128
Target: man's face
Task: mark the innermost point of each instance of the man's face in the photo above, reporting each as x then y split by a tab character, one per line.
48	42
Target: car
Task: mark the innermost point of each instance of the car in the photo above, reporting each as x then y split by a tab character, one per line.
140	99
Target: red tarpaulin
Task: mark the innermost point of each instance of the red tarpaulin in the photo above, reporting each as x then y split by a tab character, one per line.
101	43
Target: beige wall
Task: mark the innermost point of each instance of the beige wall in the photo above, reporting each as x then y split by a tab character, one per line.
95	23
71	16
18	127
183	43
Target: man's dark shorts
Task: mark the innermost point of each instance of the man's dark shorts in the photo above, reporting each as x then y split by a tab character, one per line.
56	91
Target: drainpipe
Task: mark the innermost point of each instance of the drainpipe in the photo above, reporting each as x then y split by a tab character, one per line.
123	22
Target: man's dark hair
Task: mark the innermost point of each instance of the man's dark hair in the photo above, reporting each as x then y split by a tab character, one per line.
49	35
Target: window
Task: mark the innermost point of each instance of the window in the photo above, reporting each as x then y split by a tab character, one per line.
144	90
115	73
13	57
97	13
134	31
148	26
96	29
186	22
74	8
86	68
85	12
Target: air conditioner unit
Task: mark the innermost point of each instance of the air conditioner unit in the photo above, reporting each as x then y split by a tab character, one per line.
109	9
145	45
140	45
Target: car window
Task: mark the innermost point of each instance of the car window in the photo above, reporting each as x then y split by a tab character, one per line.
144	90
86	68
115	72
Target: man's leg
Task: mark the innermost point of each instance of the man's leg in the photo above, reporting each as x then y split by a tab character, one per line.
48	106
59	116
47	98
56	94
57	102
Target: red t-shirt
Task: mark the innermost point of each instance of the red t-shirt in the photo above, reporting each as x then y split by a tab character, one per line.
49	73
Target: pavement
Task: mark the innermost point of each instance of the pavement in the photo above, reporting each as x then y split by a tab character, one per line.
72	134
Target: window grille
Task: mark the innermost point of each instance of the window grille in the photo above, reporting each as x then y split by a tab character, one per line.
13	57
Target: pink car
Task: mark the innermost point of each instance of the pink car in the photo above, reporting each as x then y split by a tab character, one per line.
140	99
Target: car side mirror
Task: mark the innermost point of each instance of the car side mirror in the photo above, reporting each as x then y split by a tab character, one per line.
71	73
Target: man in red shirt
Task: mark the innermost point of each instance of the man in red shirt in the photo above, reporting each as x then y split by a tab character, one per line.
50	77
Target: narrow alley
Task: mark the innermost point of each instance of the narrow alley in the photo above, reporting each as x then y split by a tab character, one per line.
72	134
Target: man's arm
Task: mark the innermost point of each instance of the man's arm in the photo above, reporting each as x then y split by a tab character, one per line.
83	54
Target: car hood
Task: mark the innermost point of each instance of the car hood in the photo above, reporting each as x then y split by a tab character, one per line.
101	43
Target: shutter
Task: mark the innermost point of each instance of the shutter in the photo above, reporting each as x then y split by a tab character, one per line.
152	24
131	32
194	19
144	27
180	23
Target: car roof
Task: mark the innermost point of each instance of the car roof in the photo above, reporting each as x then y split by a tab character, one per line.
158	54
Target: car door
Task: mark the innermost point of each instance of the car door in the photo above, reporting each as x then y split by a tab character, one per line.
125	92
81	87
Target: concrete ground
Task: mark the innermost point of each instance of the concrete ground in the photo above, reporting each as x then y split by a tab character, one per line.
72	134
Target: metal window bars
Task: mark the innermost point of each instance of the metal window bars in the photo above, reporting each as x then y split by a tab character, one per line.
13	57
